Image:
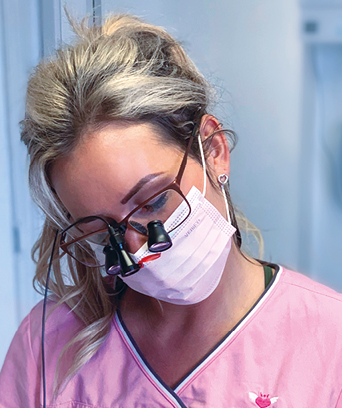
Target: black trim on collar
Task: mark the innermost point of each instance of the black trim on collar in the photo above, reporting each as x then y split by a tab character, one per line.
172	390
168	389
276	267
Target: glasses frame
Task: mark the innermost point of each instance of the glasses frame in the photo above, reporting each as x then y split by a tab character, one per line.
174	185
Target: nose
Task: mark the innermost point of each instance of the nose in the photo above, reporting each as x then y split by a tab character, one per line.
134	240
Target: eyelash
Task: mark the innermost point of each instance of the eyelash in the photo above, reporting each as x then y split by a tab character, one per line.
157	205
161	200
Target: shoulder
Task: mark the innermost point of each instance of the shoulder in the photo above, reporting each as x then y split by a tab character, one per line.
299	283
308	301
19	384
61	323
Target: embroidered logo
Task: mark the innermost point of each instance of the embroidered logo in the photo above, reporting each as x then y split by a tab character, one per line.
262	400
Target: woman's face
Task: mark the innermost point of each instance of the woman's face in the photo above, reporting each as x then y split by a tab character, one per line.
114	169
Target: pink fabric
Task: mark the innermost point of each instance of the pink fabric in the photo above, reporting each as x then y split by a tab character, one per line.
286	353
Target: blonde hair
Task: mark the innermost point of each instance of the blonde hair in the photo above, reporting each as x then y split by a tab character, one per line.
124	70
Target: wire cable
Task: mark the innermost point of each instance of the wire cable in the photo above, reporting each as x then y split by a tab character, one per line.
43	318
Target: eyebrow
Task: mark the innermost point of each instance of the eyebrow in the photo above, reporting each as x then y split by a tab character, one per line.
139	186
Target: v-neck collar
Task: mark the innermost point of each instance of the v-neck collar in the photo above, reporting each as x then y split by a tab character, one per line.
173	392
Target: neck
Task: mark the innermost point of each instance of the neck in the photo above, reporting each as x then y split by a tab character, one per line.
241	285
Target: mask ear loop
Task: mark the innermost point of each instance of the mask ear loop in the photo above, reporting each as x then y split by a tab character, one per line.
223	180
203	164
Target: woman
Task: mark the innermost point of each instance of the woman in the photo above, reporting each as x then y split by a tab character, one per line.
153	302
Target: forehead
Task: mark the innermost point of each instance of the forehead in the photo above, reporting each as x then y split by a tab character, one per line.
107	163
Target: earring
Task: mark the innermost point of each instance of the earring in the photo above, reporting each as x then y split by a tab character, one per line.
223	180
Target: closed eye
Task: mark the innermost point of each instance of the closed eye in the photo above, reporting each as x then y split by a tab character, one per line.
155	205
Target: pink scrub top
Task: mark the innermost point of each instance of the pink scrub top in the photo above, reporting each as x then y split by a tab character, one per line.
286	352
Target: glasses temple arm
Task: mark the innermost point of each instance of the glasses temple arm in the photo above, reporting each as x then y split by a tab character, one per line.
185	158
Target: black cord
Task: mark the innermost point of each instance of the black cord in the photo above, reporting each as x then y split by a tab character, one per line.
43	318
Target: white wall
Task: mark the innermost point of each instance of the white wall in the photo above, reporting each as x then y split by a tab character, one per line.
322	155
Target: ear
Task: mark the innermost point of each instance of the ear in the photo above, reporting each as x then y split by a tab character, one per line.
218	156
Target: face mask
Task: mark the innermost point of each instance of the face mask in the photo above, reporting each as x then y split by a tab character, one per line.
191	269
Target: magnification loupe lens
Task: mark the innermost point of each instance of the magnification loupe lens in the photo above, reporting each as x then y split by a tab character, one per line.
112	265
158	238
114	270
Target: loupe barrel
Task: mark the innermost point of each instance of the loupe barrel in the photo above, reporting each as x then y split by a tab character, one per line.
158	238
127	265
112	264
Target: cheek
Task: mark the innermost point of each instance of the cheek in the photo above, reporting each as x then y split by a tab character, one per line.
216	198
193	176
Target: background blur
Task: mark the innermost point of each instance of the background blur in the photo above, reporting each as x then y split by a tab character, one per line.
277	68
